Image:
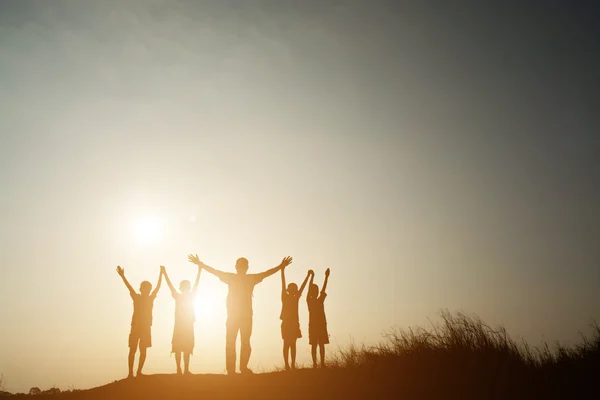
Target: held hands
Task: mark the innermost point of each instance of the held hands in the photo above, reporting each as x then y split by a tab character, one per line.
311	272
120	271
163	270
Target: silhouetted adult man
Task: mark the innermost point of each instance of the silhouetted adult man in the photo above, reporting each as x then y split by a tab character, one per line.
239	307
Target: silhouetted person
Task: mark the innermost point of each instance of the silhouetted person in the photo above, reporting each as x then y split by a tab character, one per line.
317	323
141	321
239	307
183	331
290	323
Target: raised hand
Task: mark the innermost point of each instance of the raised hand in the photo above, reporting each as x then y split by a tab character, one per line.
311	272
327	272
163	270
121	273
195	260
285	262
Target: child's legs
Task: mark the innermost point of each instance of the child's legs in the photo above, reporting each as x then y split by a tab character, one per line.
322	350
134	338
142	359
186	362
293	351
286	352
178	361
131	358
313	352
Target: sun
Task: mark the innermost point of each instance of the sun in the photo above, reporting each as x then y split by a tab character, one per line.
147	230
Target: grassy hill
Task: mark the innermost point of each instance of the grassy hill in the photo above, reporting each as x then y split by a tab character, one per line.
461	358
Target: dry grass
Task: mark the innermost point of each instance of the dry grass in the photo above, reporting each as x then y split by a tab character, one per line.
464	349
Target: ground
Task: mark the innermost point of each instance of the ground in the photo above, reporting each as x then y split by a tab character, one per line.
307	384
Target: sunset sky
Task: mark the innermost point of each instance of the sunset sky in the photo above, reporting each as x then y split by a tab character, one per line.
432	154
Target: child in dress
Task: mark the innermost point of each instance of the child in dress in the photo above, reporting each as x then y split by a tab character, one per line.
317	323
183	331
290	324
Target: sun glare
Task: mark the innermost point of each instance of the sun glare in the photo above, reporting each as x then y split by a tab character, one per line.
147	230
205	307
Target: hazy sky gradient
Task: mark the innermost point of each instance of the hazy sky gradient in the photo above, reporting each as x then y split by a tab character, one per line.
432	154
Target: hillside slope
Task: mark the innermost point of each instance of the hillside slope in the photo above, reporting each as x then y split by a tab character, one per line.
315	384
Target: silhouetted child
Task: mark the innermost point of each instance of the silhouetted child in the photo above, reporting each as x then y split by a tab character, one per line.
141	321
317	323
290	323
183	331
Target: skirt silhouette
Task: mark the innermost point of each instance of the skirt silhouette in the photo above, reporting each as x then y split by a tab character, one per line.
290	330
183	338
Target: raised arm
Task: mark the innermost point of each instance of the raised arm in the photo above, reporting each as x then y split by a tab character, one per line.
284	263
310	273
326	280
312	277
121	273
160	274
195	260
283	286
195	289
169	284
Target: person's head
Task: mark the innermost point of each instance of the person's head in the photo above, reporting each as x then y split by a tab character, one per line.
145	288
292	289
241	266
313	290
185	286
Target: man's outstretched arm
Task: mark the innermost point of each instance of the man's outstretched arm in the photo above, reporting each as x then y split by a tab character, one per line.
195	260
121	273
284	263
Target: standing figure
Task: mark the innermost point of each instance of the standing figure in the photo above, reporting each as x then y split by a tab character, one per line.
290	323
239	307
183	331
141	321
317	323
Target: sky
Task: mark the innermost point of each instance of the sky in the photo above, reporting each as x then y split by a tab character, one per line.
434	155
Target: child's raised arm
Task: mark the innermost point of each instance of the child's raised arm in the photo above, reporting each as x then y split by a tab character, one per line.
121	273
310	282
155	292
171	287
308	274
283	290
327	272
195	289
